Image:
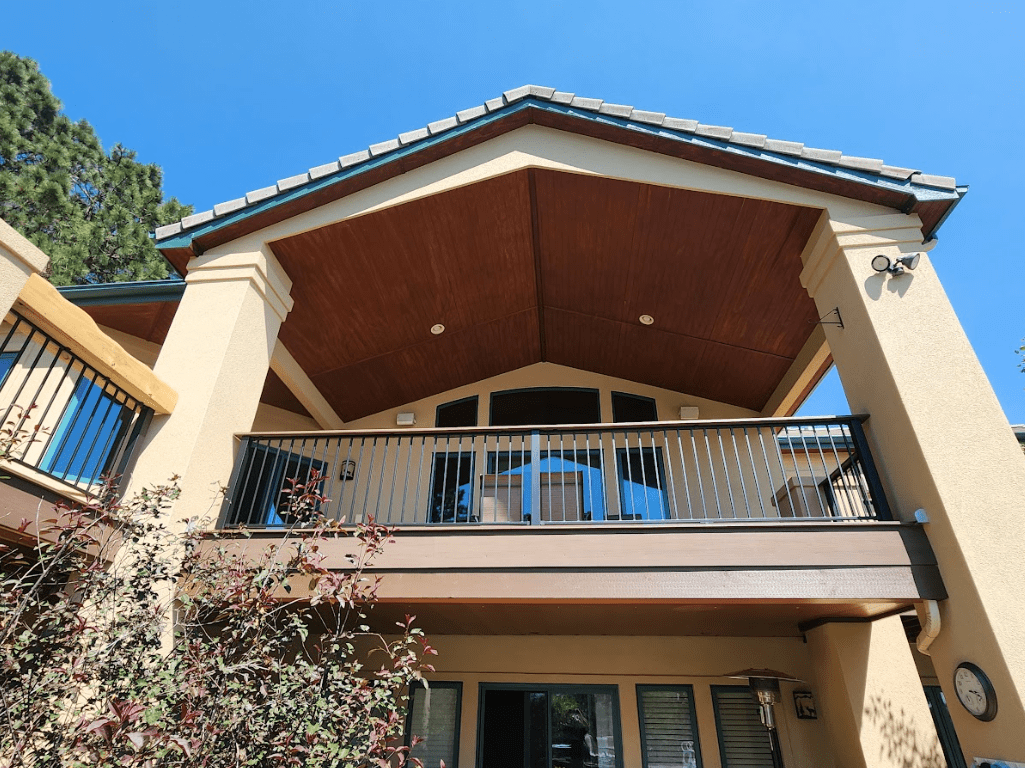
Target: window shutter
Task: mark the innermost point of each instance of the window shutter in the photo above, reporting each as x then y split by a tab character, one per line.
743	740
434	717
668	728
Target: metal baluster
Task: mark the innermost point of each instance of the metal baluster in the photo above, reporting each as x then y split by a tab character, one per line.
332	470
39	389
832	508
797	473
683	470
357	475
754	472
711	469
644	473
419	477
394	476
535	478
85	430
726	471
405	481
823	503
658	476
774	436
675	509
697	471
28	374
740	471
562	473
841	474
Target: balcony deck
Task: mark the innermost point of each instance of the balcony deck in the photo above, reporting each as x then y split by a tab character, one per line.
788	514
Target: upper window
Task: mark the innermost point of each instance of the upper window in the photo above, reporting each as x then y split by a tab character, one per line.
545	405
87	436
458	413
669	726
627	407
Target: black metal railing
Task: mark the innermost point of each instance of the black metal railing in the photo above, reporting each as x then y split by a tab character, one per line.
61	416
751	470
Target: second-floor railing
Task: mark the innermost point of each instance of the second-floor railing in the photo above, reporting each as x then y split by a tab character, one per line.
60	416
761	469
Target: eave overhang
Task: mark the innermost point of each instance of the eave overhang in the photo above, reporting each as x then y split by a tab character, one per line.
931	197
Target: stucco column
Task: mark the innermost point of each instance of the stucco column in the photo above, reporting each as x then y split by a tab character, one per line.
871	699
18	259
216	357
942	444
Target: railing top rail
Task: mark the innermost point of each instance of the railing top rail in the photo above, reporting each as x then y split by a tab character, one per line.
791	421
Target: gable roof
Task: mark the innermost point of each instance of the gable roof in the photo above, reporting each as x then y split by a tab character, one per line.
905	189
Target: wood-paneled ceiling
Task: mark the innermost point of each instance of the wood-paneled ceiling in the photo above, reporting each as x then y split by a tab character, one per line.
541	265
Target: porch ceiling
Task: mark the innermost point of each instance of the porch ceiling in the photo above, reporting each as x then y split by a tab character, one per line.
540	265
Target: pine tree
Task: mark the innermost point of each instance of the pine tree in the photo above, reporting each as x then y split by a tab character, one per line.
89	210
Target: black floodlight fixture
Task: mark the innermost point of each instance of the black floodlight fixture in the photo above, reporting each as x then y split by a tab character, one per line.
883	263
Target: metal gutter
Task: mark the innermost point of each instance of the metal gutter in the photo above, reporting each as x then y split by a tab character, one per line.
137	292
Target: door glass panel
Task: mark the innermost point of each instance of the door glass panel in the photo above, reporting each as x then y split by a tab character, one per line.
572	488
556	727
582	730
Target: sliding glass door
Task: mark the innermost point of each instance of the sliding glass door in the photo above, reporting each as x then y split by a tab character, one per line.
549	726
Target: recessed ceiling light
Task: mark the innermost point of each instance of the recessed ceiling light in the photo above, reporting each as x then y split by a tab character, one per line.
646	319
438	329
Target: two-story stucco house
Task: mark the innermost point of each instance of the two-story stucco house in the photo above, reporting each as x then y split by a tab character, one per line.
560	343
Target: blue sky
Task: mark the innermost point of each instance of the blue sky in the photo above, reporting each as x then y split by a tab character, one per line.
232	96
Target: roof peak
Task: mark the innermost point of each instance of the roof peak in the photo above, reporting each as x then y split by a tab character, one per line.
869	168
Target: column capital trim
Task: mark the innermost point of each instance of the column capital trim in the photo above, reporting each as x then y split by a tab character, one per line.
260	268
890	231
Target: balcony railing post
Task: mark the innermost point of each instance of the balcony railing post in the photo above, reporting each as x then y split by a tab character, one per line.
233	490
875	486
535	477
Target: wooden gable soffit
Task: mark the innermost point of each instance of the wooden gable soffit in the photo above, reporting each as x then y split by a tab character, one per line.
41	303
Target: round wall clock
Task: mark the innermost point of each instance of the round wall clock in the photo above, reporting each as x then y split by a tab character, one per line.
975	691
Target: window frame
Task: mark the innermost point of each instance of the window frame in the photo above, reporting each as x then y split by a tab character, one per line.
457	685
476	412
686	687
549	688
718	720
617	394
588	390
949	742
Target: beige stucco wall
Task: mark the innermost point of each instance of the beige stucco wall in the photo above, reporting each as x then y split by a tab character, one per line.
552	375
626	662
271	419
874	708
942	444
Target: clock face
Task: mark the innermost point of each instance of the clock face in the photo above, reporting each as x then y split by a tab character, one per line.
974	691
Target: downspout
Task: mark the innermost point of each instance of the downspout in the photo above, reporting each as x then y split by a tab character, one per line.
929	615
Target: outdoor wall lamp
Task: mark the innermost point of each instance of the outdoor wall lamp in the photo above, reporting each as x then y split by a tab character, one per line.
764	684
882	263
